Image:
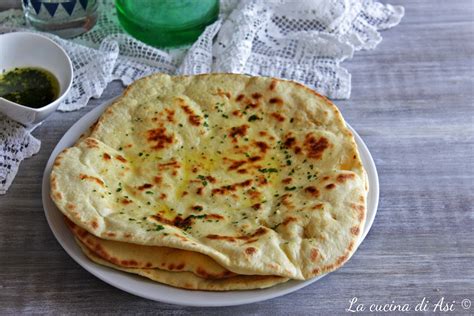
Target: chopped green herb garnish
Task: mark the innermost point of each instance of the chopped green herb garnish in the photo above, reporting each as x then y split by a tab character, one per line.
268	170
253	118
290	188
149	192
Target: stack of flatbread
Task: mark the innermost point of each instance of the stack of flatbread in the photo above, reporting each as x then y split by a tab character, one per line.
215	182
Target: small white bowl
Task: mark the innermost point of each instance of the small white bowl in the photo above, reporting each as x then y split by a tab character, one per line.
25	49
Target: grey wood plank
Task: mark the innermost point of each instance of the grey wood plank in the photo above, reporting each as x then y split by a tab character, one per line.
412	102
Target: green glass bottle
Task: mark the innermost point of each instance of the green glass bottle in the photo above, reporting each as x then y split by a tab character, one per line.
166	23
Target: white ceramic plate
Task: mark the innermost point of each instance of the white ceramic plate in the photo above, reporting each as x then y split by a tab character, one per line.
163	293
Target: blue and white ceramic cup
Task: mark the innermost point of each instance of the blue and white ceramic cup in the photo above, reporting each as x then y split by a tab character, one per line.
66	18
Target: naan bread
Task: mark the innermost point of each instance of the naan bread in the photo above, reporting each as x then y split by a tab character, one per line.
129	255
262	175
189	280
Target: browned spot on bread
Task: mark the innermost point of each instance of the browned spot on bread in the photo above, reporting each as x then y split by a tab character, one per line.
254	194
211	179
203	273
106	156
278	117
120	158
262	146
250	241
254	158
314	254
272	85
169	165
355	230
54	182
262	133
287	180
197	208
330	186
238	131
341	260
315	147
159	137
242	171
316	271
256	206
237	113
289	142
297	149
232	187
126	201
170	115
343	177
361	199
288	220
91	143
58	195
171	266
262	180
276	101
286	200
351	246
163	196
250	250
258	232
360	209
223	93
312	191
251	105
110	234
199	190
186	222
192	117
214	216
239	97
94	224
145	186
148	265
129	263
317	207
157	179
256	95
91	178
94	125
127	235
180	266
237	164
326	178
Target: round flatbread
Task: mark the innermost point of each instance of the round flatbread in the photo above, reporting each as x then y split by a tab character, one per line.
260	174
130	255
189	280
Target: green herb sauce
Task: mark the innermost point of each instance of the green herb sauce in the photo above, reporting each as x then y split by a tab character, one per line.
29	86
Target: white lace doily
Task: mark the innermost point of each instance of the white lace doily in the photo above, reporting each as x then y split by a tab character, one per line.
300	40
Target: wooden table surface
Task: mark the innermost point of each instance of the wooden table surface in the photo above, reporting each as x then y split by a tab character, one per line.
412	102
